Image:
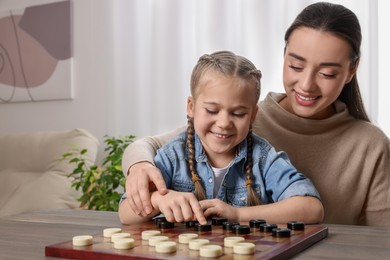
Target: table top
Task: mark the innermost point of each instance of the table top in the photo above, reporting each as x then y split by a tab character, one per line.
26	235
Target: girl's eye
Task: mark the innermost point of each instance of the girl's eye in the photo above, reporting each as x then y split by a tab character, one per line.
212	112
239	114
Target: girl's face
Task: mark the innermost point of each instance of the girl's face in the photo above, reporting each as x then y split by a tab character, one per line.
316	67
223	109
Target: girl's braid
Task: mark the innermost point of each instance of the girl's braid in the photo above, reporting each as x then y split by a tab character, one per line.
199	190
252	198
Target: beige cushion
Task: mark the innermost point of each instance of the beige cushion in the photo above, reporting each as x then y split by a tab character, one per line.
33	177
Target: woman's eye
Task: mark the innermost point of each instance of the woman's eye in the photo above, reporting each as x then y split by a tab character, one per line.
328	76
295	68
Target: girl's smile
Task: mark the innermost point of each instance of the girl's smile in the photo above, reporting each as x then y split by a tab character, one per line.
222	136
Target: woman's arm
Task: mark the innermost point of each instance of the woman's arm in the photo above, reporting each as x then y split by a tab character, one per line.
144	149
300	208
143	176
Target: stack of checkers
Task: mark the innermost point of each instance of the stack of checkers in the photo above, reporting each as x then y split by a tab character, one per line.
120	240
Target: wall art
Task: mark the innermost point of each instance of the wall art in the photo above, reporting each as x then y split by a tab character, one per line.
36	53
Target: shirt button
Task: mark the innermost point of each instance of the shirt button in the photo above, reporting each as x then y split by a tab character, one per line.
211	180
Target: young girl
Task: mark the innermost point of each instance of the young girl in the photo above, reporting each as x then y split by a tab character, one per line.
218	167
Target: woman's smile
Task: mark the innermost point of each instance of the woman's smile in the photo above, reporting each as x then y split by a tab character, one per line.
306	100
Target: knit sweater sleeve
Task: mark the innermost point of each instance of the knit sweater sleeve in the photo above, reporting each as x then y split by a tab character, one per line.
377	205
144	149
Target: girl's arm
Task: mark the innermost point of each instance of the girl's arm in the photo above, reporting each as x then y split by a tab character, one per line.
179	206
176	207
299	208
307	209
128	216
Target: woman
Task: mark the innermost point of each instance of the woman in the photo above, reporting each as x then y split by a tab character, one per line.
320	121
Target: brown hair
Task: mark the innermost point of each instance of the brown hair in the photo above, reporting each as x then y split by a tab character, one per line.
229	64
341	21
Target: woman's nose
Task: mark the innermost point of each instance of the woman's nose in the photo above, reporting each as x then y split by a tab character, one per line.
307	81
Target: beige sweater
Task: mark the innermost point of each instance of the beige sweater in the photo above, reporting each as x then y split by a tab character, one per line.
347	159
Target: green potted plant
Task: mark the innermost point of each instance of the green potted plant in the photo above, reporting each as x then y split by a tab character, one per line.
101	186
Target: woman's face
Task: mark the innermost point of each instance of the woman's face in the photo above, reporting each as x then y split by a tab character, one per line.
316	67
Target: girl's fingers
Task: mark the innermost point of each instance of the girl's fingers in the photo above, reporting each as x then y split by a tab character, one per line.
205	204
168	214
177	213
209	212
198	211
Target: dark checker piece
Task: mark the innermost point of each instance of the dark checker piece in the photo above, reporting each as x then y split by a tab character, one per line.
255	223
191	223
296	225
199	227
158	220
166	224
281	232
267	227
218	221
241	229
229	225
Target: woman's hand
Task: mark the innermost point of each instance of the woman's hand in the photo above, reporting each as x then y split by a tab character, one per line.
143	179
218	208
179	206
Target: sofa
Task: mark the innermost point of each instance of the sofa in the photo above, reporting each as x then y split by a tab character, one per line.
32	174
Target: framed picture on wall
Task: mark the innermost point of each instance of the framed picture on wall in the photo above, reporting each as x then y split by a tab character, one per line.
36	53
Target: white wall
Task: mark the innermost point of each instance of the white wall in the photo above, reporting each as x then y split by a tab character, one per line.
92	78
384	65
102	105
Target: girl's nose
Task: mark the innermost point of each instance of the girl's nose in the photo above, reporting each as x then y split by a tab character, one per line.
223	120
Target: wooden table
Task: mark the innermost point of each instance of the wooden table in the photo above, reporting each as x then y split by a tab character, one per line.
25	236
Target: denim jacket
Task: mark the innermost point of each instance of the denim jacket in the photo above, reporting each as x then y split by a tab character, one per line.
274	177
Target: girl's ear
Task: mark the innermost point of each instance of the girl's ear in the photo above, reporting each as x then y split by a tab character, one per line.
190	106
255	110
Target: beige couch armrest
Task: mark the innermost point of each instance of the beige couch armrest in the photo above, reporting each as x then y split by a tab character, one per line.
33	177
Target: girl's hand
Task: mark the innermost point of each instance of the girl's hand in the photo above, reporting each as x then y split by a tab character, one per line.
218	208
179	206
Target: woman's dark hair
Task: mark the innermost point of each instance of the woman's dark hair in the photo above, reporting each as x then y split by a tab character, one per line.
340	21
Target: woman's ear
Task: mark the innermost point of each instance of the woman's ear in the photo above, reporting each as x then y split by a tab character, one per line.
352	70
190	106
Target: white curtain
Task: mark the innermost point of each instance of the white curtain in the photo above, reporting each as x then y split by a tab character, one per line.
157	43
